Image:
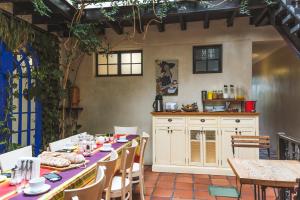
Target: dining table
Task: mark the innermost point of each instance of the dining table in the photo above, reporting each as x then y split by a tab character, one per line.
280	174
73	178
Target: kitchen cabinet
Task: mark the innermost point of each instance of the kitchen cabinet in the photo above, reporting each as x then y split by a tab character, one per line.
203	144
170	145
200	143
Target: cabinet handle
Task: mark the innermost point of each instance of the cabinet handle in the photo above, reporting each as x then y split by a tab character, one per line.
169	120
237	121
240	132
202	120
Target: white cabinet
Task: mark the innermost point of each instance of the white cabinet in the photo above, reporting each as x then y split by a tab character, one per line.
200	143
203	146
170	145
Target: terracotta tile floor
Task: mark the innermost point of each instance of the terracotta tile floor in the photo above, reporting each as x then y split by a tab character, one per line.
161	186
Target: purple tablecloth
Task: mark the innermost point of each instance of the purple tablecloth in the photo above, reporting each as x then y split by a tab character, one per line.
66	175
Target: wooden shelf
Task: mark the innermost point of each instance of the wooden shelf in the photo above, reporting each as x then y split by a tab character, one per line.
223	100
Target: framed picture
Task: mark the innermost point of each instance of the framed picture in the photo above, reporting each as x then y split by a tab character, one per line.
167	77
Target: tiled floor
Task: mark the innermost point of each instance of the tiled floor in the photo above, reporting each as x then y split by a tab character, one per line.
163	186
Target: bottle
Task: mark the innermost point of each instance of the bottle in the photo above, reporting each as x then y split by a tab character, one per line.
215	95
232	92
209	95
225	92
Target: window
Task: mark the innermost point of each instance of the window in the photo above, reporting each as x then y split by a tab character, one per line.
207	59
121	63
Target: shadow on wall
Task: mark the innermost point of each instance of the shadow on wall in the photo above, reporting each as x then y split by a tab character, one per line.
276	87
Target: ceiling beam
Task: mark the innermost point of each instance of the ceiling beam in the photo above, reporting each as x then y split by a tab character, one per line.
230	19
161	26
53	19
116	27
182	22
23	8
62	7
206	21
261	16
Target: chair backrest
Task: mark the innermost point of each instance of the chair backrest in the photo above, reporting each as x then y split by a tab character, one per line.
126	130
90	192
9	160
143	144
298	189
243	141
109	167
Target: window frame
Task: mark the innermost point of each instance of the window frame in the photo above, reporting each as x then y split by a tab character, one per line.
220	47
119	63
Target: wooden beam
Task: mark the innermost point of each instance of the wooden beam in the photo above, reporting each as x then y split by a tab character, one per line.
53	19
23	8
295	29
161	26
230	19
182	22
261	16
287	19
206	21
63	7
116	27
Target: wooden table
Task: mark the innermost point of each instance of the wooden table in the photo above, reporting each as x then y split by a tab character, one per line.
266	173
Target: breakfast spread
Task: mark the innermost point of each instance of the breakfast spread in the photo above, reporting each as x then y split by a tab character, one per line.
61	159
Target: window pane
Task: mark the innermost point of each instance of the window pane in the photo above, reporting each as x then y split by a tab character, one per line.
213	53
112	69
201	54
102	59
213	65
125	69
136	68
113	58
136	58
125	58
200	66
102	69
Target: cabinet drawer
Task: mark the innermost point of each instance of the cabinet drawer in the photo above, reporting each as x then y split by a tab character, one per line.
170	121
238	121
203	121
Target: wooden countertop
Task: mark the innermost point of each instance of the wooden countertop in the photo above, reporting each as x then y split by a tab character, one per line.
206	113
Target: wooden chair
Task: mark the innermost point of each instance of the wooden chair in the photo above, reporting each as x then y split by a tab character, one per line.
242	141
126	130
110	167
90	192
297	190
9	160
138	168
122	185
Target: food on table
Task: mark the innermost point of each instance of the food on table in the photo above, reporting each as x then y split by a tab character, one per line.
73	157
190	107
58	159
54	161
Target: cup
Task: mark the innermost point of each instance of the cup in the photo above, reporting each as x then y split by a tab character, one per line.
100	140
36	184
122	138
106	146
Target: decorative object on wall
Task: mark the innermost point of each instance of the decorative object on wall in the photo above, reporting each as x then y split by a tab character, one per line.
167	77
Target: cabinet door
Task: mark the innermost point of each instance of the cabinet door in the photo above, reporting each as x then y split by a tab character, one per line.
247	153
195	146
226	147
210	146
162	145
178	146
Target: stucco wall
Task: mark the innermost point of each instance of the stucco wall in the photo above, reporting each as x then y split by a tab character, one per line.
127	101
276	86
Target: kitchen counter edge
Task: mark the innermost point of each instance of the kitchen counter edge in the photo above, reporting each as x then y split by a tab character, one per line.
206	113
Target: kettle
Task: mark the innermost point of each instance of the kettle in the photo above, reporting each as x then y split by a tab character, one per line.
158	103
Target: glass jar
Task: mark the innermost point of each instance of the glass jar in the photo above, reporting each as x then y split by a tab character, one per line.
225	92
232	92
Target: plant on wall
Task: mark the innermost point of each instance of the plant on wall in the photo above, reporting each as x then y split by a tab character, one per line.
47	87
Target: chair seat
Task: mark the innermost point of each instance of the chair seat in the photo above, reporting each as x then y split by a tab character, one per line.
117	183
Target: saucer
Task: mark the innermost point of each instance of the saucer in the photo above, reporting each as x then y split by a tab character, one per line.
106	150
122	140
2	178
43	189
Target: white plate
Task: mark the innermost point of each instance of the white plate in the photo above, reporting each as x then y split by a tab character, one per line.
44	188
106	150
122	141
2	178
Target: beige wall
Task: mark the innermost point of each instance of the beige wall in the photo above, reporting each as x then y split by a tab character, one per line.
276	86
127	101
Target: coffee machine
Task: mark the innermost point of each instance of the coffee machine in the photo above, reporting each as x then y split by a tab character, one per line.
158	104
